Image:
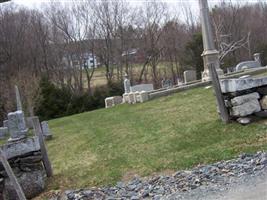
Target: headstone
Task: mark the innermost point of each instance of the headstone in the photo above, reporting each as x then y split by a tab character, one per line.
189	76
137	97
5	123
16	125
247	65
109	102
46	131
143	96
132	98
125	97
127	84
18	99
166	83
257	57
263	102
3	132
142	87
117	100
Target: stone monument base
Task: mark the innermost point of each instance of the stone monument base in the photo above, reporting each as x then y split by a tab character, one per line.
206	74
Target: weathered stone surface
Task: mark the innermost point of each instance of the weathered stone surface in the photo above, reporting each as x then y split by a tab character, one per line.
32	183
127	84
246	109
117	100
263	103
46	130
3	132
234	85
244	98
125	97
109	102
156	187
132	98
244	120
16	125
137	97
18	100
247	65
142	87
21	147
189	76
143	96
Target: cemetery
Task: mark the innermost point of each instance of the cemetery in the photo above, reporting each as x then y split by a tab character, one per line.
195	139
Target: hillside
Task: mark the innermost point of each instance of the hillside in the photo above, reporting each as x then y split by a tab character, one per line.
163	135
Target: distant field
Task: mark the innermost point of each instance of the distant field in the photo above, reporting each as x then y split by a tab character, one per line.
160	136
99	77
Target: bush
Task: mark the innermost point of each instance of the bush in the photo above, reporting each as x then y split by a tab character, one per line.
53	102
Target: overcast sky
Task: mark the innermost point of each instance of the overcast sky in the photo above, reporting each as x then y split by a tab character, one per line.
174	4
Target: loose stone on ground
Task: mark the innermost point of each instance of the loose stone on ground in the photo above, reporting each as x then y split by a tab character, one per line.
217	175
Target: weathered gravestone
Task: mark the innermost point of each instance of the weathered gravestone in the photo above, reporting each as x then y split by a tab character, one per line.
3	132
127	84
250	64
46	131
142	87
189	76
16	125
166	83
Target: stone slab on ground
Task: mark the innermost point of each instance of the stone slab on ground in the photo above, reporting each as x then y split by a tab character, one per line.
246	109
234	85
239	100
21	147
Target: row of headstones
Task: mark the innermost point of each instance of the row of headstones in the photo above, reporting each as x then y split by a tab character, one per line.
17	128
139	93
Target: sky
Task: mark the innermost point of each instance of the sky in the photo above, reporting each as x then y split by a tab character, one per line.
175	5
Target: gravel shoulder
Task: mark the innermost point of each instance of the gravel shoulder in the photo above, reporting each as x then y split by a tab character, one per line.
248	187
244	178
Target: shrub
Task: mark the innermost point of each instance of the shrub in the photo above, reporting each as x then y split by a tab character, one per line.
53	102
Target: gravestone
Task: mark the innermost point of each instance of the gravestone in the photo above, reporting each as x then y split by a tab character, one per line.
46	131
250	64
142	87
127	84
166	83
131	97
189	76
3	132
109	102
16	125
143	96
29	123
117	100
18	99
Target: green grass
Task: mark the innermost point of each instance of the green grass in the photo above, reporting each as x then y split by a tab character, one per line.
170	133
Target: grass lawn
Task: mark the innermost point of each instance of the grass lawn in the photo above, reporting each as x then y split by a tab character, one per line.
167	134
